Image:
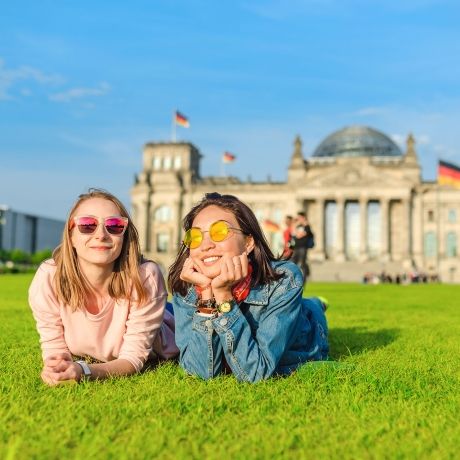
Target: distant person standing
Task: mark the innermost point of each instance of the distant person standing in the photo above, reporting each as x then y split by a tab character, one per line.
303	241
288	237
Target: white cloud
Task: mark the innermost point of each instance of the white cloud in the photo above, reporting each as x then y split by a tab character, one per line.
9	77
80	93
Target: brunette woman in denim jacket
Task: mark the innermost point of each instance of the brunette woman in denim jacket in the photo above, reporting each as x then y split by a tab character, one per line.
237	308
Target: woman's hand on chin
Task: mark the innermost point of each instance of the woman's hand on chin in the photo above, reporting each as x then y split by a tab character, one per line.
190	274
232	270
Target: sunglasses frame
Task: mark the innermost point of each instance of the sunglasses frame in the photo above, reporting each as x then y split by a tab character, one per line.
100	220
209	231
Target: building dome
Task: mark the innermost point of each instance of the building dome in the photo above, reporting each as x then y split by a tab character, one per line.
357	141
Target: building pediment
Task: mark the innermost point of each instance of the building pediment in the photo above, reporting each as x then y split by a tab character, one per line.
353	177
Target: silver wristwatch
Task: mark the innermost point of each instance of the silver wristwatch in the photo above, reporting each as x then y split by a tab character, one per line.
85	368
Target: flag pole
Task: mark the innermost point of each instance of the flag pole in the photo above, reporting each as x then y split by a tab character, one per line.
173	128
222	167
438	224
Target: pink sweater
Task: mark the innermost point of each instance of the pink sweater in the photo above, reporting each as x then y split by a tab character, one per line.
115	332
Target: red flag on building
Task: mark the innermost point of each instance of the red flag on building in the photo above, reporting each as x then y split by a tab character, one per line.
228	157
181	120
448	174
270	226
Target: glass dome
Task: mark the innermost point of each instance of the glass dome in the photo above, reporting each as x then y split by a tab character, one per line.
357	141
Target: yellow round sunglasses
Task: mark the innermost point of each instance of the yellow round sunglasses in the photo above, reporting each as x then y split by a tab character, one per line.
218	231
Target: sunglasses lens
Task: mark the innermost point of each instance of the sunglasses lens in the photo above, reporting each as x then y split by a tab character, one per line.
87	225
115	225
219	231
193	238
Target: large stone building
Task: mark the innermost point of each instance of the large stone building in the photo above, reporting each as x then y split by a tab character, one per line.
365	199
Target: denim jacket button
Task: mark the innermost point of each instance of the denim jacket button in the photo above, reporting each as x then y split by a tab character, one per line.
223	322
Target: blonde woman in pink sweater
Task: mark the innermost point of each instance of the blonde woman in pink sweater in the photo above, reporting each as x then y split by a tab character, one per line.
99	307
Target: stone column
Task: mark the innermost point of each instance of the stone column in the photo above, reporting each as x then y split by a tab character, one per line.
385	213
320	231
406	250
363	256
417	229
340	254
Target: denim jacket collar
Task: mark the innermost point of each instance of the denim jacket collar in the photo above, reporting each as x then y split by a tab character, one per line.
259	295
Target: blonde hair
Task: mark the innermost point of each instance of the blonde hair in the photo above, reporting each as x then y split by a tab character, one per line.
71	286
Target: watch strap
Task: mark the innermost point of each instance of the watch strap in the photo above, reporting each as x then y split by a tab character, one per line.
85	368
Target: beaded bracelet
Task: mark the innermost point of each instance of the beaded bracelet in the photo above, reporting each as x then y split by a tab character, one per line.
207	307
209	303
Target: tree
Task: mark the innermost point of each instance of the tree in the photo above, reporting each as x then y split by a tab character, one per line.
19	256
40	256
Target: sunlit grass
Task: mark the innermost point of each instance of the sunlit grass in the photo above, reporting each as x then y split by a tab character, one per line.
391	392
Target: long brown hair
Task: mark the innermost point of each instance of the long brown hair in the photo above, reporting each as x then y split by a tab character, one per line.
71	286
260	257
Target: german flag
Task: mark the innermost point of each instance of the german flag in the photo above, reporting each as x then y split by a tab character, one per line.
270	226
448	174
181	120
228	157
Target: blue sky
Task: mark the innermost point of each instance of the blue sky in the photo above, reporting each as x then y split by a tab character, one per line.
83	85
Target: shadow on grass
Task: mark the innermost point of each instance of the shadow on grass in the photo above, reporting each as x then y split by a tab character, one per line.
344	342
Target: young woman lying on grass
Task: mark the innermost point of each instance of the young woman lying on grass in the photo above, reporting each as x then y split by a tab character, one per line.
237	308
97	299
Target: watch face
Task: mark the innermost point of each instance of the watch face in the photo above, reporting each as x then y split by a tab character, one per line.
225	307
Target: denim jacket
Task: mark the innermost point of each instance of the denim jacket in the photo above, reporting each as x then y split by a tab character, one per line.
273	331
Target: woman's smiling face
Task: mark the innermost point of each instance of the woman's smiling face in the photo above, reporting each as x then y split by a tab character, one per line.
99	248
207	256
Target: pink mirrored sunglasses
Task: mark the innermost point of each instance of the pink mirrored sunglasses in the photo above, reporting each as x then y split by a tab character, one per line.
87	225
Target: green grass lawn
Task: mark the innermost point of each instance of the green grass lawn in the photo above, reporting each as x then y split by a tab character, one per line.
392	391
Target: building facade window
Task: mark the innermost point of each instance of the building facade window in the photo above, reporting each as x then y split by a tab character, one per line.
177	162
157	163
430	245
331	228
430	215
276	243
162	242
352	229
259	213
167	163
163	214
374	229
278	215
451	245
452	216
